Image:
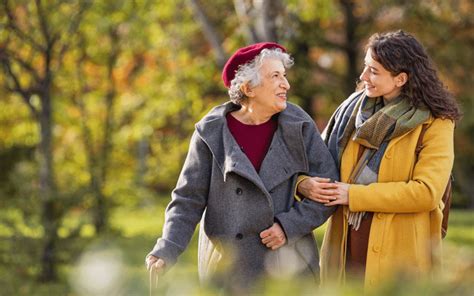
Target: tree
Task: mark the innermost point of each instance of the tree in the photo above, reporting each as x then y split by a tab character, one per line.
31	52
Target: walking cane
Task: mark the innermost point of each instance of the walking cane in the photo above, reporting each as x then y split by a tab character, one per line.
153	280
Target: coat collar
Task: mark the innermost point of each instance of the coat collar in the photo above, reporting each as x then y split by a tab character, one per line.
397	139
285	157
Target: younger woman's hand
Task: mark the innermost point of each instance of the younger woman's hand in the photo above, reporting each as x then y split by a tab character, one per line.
341	196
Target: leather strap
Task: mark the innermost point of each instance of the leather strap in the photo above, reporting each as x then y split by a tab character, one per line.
419	144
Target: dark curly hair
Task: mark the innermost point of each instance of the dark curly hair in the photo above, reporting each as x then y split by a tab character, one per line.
401	52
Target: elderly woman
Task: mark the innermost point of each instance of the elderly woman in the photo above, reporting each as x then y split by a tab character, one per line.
239	177
388	222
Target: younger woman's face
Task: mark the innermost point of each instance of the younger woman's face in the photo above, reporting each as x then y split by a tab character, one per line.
378	81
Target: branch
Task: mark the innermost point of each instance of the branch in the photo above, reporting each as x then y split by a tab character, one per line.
24	93
73	28
15	29
209	31
43	24
243	15
25	65
268	12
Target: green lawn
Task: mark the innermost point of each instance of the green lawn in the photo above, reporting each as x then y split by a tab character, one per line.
114	264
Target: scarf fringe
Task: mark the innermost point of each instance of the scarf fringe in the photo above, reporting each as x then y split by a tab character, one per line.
355	219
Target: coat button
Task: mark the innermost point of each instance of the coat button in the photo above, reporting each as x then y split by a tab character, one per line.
376	249
239	236
379	215
238	191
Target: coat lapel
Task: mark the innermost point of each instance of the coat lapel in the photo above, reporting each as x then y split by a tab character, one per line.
227	153
285	157
282	160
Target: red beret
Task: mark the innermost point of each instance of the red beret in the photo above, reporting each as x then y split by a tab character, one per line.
242	56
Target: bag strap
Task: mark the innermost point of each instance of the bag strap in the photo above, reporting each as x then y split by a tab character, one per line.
447	196
419	144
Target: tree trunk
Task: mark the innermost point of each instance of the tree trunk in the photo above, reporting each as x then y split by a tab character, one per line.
43	41
101	213
246	21
351	46
142	154
268	11
50	210
209	32
302	77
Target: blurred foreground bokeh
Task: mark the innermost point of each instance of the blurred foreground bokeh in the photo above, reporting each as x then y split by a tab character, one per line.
113	264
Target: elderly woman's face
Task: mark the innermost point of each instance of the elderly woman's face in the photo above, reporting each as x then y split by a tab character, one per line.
272	91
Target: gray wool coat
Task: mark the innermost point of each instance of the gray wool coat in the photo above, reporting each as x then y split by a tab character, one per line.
219	185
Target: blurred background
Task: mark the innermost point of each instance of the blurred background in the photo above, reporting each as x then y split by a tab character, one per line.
98	100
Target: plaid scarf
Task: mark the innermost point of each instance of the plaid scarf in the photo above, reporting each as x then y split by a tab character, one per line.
371	123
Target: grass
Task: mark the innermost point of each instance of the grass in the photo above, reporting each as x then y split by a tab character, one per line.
460	229
114	264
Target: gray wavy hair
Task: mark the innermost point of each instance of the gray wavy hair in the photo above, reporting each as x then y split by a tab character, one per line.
249	72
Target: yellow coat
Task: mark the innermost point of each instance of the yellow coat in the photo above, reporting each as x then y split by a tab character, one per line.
405	232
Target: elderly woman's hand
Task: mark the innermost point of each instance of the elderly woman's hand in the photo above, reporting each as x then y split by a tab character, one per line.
154	263
155	267
318	189
273	237
341	196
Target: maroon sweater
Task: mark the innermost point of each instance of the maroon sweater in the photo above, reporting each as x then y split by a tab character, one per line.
254	140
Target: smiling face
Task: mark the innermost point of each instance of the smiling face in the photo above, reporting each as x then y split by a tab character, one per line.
378	81
271	94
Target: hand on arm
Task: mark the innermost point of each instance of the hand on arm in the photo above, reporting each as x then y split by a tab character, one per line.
318	189
304	216
273	237
341	196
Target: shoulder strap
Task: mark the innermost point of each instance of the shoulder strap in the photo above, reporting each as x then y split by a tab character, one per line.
447	196
419	144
